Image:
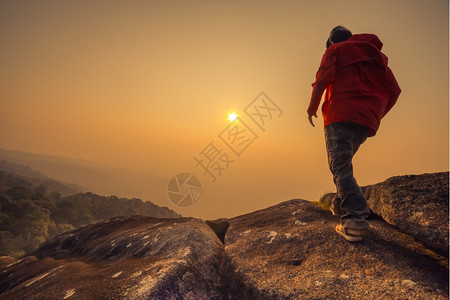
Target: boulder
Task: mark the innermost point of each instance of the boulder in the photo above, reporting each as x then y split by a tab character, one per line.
122	258
290	251
416	204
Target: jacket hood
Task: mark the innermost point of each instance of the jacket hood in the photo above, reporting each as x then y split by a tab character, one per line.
360	48
368	38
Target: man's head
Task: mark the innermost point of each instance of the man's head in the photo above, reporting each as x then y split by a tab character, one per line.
338	34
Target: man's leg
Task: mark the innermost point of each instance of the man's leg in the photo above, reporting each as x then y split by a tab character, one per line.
342	141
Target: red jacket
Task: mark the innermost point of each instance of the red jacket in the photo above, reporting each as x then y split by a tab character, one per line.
360	87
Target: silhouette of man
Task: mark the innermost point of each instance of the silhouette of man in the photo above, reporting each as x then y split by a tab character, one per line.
360	89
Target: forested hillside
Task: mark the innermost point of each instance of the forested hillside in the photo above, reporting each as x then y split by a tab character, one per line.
30	213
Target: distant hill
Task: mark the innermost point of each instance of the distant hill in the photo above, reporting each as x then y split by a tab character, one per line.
84	173
37	178
93	176
32	209
21	170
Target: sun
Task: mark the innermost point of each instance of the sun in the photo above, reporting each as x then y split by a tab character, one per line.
232	116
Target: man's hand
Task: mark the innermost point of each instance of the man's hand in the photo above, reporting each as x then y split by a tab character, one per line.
310	119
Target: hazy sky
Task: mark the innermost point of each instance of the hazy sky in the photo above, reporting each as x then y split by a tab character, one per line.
148	84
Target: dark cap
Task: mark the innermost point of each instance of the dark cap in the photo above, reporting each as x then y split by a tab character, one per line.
338	34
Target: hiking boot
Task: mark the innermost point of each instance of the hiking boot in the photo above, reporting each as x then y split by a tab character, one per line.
351	235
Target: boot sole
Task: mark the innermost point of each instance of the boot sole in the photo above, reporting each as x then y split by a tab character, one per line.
348	237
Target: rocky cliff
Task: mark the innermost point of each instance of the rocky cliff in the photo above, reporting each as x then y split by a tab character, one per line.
287	251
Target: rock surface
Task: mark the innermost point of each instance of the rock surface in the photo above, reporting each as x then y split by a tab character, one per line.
416	204
290	251
123	258
287	251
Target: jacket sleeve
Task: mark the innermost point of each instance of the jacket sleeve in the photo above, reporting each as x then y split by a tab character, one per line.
394	90
324	77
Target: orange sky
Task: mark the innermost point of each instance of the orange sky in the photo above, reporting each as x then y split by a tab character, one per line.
147	85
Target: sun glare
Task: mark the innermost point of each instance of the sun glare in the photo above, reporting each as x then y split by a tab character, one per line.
232	117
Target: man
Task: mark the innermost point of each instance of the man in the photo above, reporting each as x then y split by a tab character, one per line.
360	89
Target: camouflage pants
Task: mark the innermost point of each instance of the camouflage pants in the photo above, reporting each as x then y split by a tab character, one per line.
342	142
